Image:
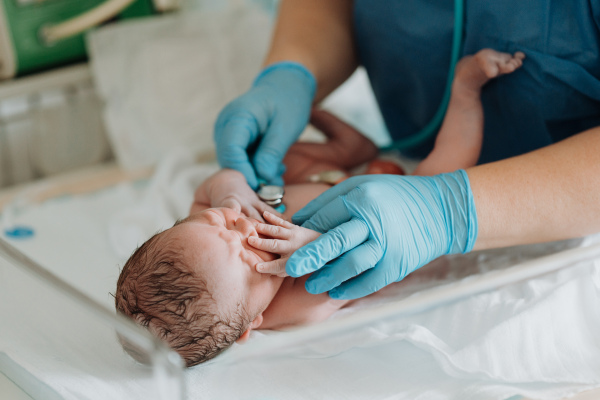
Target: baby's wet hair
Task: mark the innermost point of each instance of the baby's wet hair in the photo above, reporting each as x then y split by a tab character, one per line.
158	291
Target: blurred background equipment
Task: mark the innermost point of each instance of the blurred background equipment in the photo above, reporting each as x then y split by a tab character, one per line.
39	34
50	123
164	79
52	115
152	84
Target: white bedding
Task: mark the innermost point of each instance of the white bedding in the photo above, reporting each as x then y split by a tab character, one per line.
537	338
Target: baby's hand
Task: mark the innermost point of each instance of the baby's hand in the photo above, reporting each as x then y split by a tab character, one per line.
229	188
286	238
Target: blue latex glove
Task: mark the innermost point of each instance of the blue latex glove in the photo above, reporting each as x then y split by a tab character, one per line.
379	228
271	115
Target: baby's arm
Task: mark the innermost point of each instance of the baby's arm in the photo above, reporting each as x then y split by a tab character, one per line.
346	148
228	188
292	305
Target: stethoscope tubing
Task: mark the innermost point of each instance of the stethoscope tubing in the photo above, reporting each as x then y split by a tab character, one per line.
434	124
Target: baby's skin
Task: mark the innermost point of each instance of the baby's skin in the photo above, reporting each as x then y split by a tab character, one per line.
239	245
226	239
262	238
218	243
263	245
458	143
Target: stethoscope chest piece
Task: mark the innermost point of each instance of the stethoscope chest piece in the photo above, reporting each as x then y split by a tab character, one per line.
271	194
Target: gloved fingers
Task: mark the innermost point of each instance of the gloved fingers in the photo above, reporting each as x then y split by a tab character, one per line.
347	266
281	134
232	141
276	246
329	216
276	267
363	285
327	247
328	196
278	180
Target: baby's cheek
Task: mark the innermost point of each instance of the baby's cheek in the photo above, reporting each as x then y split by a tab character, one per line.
254	256
249	258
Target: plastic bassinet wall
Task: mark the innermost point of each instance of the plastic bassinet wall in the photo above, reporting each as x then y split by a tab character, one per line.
52	332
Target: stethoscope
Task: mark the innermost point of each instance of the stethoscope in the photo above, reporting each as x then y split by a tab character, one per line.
273	195
433	126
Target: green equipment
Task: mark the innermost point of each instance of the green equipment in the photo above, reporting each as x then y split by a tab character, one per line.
41	34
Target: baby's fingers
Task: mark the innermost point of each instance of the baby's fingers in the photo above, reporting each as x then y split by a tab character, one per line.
271	245
275	220
276	267
273	231
252	212
264	207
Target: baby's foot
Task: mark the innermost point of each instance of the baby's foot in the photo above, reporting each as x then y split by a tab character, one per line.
472	72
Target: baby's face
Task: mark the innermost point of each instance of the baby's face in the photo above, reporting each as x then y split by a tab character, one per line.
216	246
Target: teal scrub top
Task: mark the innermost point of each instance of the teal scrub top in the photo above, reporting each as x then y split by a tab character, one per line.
405	47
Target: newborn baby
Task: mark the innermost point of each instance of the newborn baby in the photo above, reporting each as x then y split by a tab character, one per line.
197	285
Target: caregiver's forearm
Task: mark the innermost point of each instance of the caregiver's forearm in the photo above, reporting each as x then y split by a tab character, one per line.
317	34
549	194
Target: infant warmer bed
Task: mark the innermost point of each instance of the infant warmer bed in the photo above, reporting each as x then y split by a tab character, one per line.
489	325
457	328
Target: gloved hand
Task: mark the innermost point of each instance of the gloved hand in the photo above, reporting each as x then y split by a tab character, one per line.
271	115
378	229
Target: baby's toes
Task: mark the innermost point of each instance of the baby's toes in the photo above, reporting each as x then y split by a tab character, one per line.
509	64
514	64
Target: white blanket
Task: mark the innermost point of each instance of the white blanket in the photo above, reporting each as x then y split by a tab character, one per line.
164	80
537	338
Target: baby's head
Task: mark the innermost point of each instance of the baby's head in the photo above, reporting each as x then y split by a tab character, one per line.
195	285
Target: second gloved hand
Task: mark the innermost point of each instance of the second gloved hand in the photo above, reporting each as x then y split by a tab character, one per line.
378	229
268	118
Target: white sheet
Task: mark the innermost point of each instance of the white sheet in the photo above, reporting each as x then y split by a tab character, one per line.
537	338
165	79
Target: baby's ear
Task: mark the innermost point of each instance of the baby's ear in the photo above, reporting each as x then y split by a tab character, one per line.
253	325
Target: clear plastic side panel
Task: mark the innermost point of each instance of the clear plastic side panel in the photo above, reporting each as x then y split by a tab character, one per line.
498	324
57	344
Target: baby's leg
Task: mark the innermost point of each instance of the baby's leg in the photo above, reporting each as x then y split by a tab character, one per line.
345	149
458	143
